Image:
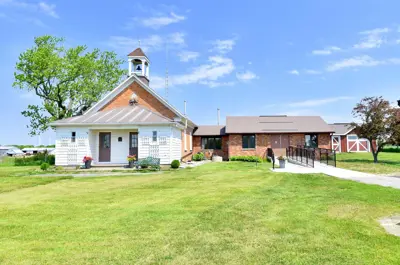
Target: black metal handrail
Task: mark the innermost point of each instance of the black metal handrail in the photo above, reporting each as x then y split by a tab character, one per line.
301	155
325	156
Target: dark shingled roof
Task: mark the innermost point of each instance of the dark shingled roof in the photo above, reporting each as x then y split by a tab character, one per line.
210	130
137	52
277	124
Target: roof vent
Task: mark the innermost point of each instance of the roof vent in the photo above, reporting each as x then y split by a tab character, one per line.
134	99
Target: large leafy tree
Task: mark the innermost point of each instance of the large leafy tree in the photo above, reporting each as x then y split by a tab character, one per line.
67	80
378	122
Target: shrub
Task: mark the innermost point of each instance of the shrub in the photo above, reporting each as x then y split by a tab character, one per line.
269	159
246	158
198	157
51	159
144	165
175	164
391	149
44	166
35	160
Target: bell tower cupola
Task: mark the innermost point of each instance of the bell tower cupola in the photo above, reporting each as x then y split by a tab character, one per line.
139	65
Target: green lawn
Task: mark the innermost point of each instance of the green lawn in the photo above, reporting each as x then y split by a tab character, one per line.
389	163
219	213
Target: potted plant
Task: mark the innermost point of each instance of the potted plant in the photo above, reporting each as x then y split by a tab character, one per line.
131	160
281	161
88	162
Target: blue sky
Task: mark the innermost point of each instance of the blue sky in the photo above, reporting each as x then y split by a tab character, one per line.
252	58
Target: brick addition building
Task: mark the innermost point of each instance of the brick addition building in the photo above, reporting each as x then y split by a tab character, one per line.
253	135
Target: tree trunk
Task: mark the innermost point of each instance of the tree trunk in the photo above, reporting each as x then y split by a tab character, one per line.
375	157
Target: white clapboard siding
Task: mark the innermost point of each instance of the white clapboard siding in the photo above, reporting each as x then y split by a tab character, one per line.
70	153
148	147
167	147
176	142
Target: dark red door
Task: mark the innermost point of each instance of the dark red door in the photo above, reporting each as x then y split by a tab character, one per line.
133	144
104	147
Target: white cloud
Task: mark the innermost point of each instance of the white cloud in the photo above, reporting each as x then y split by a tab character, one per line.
373	38
186	56
317	102
206	74
148	44
359	61
223	46
326	51
312	72
246	76
157	22
48	9
176	38
294	72
41	7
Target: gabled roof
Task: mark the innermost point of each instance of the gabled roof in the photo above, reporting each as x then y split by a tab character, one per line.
210	130
133	78
137	52
135	114
276	124
341	128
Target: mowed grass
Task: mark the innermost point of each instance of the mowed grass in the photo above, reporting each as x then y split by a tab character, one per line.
219	213
12	178
389	163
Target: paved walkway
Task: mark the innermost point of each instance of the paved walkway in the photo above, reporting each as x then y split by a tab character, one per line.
343	174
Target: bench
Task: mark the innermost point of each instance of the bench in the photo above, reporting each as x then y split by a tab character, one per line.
148	162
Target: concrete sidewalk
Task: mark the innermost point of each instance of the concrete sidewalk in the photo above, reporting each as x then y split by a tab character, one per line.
343	174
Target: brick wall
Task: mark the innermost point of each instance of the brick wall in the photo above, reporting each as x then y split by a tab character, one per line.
324	140
187	153
297	139
263	142
144	97
210	152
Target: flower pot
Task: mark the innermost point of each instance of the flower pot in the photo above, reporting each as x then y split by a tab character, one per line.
131	164
282	163
88	164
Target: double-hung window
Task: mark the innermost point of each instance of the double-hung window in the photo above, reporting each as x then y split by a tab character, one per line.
249	141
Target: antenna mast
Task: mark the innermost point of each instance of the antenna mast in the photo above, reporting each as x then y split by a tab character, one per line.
166	71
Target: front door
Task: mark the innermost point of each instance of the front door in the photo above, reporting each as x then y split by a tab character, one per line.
133	144
336	144
279	143
104	147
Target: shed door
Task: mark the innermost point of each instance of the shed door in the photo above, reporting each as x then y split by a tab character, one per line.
133	144
104	147
336	145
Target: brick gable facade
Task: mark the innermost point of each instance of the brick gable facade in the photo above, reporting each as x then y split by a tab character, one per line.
144	98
